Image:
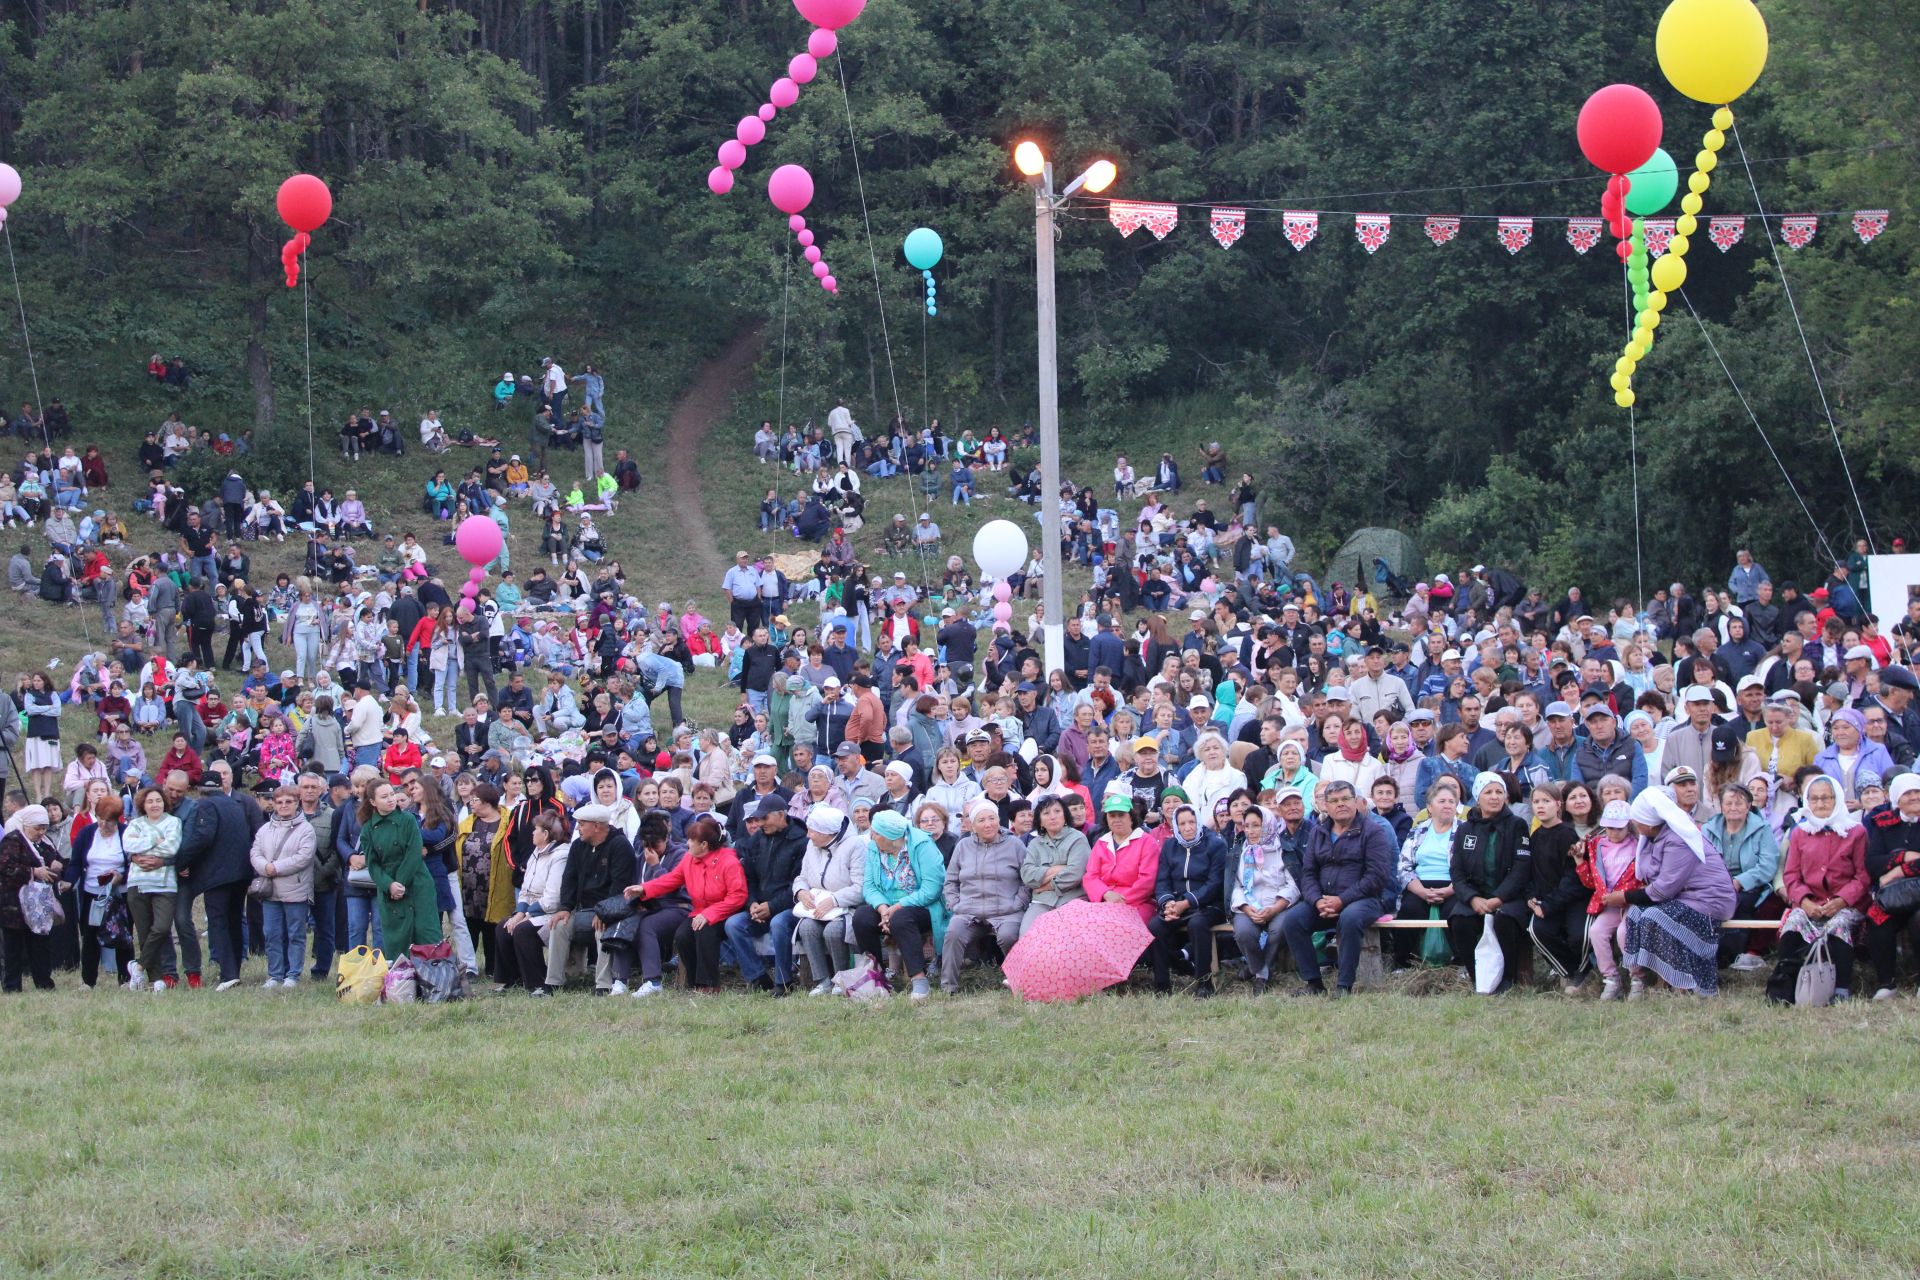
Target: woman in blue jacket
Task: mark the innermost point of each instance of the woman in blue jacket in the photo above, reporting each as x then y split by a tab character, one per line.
1187	897
901	896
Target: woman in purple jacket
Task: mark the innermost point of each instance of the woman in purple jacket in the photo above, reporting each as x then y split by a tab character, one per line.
1673	923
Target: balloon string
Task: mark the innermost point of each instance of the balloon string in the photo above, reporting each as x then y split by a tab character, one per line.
786	291
1751	417
26	337
1633	455
1813	366
306	323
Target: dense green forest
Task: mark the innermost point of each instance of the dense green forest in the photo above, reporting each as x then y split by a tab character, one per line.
534	170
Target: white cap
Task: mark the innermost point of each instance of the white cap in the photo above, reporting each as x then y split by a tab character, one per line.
1196	615
1749	682
764	758
1451	655
831	682
1698	693
593	813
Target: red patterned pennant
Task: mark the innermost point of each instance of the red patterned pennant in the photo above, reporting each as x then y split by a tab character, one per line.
1128	216
1659	236
1299	227
1442	230
1516	233
1798	230
1868	223
1726	232
1228	226
1372	229
1584	233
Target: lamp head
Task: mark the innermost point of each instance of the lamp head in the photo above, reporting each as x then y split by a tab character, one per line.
1029	158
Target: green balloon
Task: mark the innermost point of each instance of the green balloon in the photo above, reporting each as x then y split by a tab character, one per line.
1654	185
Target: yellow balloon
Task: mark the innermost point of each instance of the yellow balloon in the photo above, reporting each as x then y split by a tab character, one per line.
1714	140
1650	319
1669	273
1686	224
1723	118
1656	302
1623	366
1698	182
1691	203
1623	398
1678	246
1712	50
1705	161
1620	382
1638	349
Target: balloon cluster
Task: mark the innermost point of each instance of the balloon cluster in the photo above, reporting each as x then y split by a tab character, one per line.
790	187
923	249
1712	51
9	189
479	542
1619	130
1000	549
305	204
827	16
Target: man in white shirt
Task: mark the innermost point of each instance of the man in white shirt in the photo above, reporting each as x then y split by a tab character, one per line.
553	388
365	726
742	584
845	431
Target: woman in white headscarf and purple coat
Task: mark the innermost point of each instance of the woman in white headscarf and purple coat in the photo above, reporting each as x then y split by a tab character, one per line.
1673	922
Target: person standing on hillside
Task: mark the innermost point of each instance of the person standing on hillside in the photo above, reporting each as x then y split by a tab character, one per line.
553	387
592	388
845	431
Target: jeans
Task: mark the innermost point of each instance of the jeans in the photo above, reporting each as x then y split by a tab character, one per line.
226	910
741	930
306	651
962	495
369	754
1302	920
286	929
758	700
361	909
326	903
1259	946
202	567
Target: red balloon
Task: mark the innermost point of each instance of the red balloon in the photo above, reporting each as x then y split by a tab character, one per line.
1624	249
1610	206
304	202
1619	128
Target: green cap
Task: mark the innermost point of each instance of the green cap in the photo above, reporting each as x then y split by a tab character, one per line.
1117	802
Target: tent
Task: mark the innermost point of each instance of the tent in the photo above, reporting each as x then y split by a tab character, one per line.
1354	564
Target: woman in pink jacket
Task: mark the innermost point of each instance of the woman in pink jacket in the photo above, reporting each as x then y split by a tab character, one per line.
1826	887
1125	859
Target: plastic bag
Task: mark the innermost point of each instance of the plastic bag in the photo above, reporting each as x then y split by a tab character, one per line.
362	976
1489	965
116	925
401	986
866	984
1436	952
1818	979
438	977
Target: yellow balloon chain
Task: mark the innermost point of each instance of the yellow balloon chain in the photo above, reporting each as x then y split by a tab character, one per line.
1670	272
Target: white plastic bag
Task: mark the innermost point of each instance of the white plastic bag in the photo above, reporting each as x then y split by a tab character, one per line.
863	983
1489	965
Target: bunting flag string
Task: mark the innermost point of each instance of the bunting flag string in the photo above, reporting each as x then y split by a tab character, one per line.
1442	230
1128	216
1659	232
1798	231
1584	233
1726	232
1372	229
1516	233
1869	223
1228	225
1299	228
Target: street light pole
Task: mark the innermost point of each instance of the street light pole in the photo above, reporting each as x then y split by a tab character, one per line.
1053	590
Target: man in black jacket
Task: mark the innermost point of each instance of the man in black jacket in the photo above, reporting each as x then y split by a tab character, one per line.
771	858
214	856
1347	870
1036	718
599	866
198	612
758	661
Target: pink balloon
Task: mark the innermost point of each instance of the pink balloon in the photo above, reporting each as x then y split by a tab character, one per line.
751	130
806	238
822	43
819	270
768	111
796	223
476	575
802	69
732	153
1002	591
813	253
470	592
478	540
9	185
720	180
831	14
1003	612
3	217
830	285
784	93
790	187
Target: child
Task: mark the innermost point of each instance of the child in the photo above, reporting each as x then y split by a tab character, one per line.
1606	866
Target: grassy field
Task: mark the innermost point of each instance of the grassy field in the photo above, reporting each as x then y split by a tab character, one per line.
260	1136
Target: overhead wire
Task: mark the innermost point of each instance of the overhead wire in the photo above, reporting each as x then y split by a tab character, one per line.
26	337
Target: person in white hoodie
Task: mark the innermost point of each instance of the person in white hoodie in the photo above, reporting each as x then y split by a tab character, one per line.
366	726
828	888
607	791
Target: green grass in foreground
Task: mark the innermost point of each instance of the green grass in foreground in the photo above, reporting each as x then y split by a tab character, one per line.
263	1136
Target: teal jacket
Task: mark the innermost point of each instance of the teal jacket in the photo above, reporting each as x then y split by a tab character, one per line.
1753	856
927	872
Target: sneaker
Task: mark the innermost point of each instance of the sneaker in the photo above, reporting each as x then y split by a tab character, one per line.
1841	995
160	986
781	990
1885	993
920	990
501	988
821	989
1637	989
618	988
228	985
193	982
1747	962
289	984
646	989
1610	989
271	984
136	977
541	992
1569	988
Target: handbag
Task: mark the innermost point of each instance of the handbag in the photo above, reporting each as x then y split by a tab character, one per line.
1898	897
1815	986
41	907
613	909
116	925
437	976
360	878
1489	965
260	888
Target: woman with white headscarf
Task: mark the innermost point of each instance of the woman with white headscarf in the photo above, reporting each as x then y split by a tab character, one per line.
825	892
1491	869
1893	856
26	855
1673	921
1826	887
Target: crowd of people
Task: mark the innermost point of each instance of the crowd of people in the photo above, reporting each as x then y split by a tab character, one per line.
1261	767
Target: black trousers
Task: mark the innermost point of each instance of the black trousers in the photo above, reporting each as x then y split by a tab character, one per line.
1563	934
479	665
1791	956
1194	930
483	942
699	952
1883	944
1407	941
908	928
200	645
226	923
518	956
745	613
1734	941
90	952
1464	932
25	952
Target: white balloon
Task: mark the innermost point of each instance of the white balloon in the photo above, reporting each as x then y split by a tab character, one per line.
1000	548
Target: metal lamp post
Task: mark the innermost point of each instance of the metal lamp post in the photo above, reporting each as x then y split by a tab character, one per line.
1033	163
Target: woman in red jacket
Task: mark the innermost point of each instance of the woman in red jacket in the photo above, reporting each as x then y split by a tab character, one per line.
1126	859
716	888
1825	881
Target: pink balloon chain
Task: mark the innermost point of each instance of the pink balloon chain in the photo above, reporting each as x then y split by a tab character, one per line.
802	68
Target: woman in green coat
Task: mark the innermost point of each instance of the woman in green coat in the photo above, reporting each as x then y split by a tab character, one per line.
390	842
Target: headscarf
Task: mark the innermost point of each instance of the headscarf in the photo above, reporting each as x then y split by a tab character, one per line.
1656	807
1900	786
1485	780
1173	827
1859	723
1398	756
826	819
1839	822
28	815
889	825
1258	851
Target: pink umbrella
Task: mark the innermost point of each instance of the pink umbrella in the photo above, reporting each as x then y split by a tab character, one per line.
1077	950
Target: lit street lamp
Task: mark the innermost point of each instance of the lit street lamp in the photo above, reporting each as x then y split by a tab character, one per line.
1033	162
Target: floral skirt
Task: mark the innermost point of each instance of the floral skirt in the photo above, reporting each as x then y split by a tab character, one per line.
1677	943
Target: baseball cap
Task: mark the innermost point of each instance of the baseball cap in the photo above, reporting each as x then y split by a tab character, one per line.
1559	709
1026	686
845	749
339	780
1749	682
1616	814
1838	691
1860	653
1451	655
831	682
1144	743
288	675
764	758
1698	693
1599	709
438	762
1196	615
1727	744
1198	703
1422	716
768	806
1338	693
1117	802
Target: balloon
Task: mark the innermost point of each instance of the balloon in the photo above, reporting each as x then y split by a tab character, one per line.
1625	250
478	540
1686	224
1610	205
806	238
1669	274
932	310
1000	548
720	180
790	187
1003	591
1619	128
732	153
1003	612
1698	183
813	253
796	223
820	268
1714	140
3	216
1654	185
1706	161
9	185
923	248
1691	203
1723	118
768	111
751	130
802	68
784	93
822	43
830	285
1711	50
1678	246
1623	398
1657	301
1623	365
831	14
304	202
1620	382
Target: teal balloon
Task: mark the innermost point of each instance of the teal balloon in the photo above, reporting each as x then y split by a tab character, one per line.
1654	185
923	248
